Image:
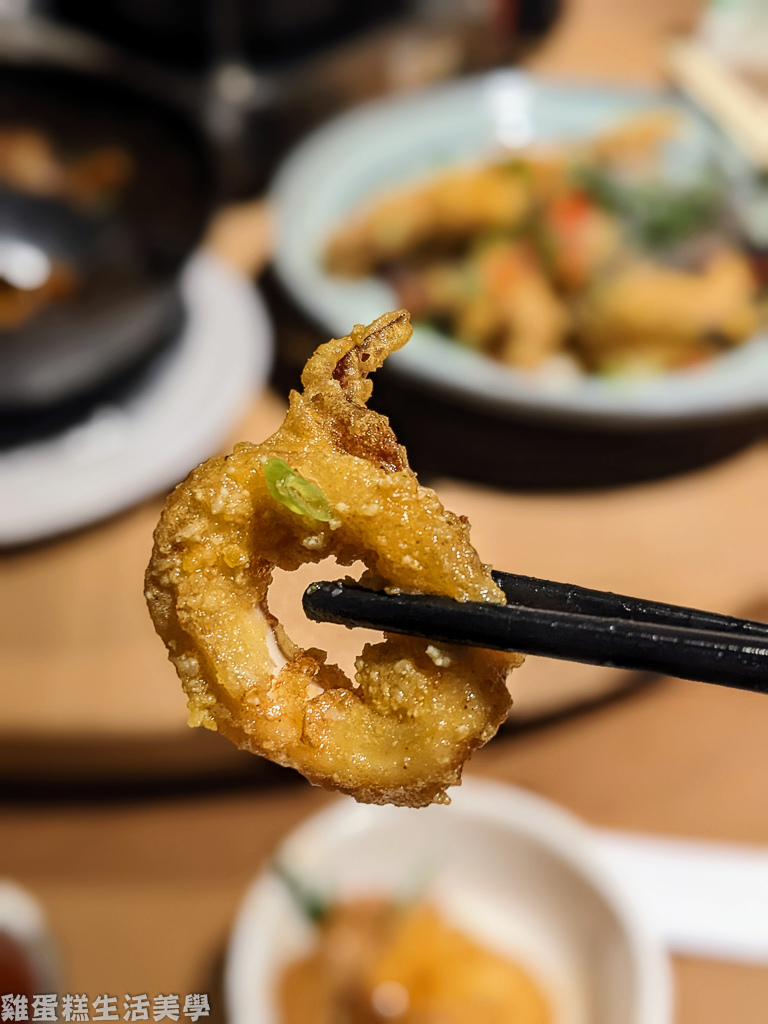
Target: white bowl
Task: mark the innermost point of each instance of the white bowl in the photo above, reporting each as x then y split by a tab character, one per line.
360	154
514	870
22	918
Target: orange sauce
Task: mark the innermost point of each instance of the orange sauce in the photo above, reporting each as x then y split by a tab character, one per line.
375	961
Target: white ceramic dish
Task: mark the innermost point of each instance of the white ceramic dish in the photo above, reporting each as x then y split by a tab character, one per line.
131	450
382	144
22	918
511	868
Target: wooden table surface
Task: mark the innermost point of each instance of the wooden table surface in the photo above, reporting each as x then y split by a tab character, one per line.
141	893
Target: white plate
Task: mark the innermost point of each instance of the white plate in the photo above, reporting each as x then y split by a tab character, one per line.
22	918
131	450
360	154
512	869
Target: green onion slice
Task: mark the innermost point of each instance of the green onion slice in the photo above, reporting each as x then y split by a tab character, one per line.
292	490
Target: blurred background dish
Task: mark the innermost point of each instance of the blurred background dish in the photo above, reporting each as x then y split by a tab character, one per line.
364	153
29	961
145	437
106	190
509	869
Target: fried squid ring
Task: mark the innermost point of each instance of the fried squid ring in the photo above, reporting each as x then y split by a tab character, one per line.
331	481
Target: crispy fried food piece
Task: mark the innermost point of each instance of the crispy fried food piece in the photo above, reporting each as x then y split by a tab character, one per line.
580	240
496	299
636	140
401	731
661	317
448	208
531	321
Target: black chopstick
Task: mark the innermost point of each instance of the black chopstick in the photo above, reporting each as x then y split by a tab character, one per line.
566	597
559	620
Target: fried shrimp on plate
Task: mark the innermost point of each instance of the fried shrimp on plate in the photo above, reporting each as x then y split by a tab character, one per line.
331	481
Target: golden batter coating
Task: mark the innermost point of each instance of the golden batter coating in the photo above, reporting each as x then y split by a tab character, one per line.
331	481
448	208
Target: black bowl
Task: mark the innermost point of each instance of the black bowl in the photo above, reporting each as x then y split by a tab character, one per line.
127	256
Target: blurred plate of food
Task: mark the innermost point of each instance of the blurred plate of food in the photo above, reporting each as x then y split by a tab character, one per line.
565	251
179	411
495	908
106	186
